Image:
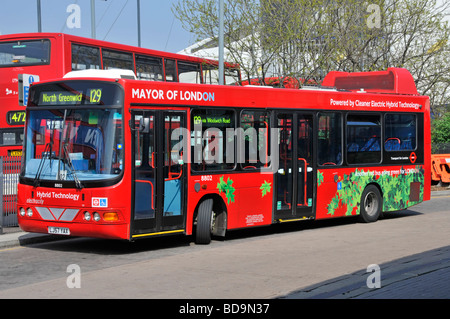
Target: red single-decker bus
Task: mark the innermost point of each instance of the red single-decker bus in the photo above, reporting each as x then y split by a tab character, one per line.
131	159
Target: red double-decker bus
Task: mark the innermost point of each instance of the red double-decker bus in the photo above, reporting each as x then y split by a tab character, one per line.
34	57
129	159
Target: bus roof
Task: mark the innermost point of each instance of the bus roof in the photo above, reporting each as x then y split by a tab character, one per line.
106	44
344	98
393	80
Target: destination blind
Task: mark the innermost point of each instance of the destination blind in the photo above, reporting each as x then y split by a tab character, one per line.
92	96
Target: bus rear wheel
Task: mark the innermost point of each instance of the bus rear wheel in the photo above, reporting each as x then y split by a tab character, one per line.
204	222
370	205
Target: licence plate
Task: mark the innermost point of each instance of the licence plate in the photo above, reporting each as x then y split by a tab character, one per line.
59	231
14	153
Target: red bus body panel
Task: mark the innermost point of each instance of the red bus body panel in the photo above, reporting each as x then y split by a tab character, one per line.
80	201
9	86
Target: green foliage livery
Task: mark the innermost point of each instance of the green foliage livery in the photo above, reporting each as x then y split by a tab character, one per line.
395	189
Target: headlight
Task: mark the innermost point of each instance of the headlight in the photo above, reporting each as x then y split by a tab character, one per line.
97	216
87	216
29	212
22	211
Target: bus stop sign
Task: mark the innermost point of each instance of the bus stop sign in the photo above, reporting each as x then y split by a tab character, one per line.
25	80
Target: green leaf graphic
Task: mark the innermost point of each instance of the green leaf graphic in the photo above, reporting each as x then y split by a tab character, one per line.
227	188
319	178
220	185
265	188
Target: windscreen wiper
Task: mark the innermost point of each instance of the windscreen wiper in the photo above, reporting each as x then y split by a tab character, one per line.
64	154
61	142
72	169
45	154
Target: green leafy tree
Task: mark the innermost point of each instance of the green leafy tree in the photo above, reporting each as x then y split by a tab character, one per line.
308	38
440	132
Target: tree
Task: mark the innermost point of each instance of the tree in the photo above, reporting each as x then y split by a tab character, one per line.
242	30
308	38
299	33
440	131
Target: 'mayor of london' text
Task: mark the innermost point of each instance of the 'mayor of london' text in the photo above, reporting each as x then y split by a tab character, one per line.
173	95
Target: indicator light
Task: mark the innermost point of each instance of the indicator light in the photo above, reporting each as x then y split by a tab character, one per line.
110	216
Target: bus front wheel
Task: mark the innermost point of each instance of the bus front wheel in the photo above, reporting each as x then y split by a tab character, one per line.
204	222
370	205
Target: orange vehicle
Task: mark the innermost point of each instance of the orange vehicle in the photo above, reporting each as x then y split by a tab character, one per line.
440	168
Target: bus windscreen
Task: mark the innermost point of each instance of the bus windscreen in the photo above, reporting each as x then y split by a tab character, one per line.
33	52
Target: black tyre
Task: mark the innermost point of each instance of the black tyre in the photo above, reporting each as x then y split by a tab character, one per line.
204	222
370	205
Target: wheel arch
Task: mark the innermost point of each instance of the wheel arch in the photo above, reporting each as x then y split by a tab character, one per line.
363	215
381	192
220	210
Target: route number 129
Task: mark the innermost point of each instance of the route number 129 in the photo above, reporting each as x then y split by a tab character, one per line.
95	96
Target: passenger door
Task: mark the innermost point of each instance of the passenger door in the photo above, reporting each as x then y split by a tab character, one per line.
158	173
295	173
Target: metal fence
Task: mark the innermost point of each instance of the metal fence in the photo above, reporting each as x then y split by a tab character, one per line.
441	148
9	178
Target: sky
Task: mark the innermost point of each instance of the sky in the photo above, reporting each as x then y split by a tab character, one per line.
116	21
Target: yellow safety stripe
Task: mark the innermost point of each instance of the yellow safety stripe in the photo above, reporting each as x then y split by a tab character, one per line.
160	233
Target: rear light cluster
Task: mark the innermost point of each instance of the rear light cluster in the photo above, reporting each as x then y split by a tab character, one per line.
26	212
98	216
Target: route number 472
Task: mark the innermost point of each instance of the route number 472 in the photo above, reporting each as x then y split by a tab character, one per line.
16	117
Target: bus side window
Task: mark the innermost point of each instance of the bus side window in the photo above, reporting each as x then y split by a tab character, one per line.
330	139
189	72
400	132
210	74
255	143
170	70
85	57
149	68
363	139
232	76
212	145
117	60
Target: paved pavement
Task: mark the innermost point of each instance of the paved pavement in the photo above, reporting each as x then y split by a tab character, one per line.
20	238
421	276
424	276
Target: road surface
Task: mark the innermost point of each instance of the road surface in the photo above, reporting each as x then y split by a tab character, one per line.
323	259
